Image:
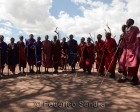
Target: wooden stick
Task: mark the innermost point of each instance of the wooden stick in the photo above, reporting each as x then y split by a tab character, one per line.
110	64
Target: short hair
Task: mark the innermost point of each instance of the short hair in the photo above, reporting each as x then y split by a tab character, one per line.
1	36
88	38
21	36
39	37
71	35
12	38
54	36
31	35
108	33
99	35
132	20
46	36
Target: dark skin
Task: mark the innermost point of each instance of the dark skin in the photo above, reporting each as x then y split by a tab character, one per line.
64	39
129	23
31	36
82	40
55	38
38	40
99	37
1	40
63	61
46	37
123	28
21	39
88	40
12	40
71	37
108	35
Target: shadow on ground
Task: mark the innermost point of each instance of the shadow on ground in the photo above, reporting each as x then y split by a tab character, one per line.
76	92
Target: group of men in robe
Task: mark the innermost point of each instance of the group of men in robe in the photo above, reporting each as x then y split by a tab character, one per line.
49	54
52	54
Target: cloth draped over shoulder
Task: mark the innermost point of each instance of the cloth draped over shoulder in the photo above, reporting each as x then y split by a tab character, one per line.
3	53
21	54
30	51
47	54
129	57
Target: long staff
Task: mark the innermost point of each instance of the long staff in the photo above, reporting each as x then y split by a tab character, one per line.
59	38
110	64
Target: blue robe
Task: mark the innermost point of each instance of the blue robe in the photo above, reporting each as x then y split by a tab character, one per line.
3	53
30	51
72	52
38	53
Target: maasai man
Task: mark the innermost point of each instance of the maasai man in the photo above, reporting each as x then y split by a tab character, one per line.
129	57
72	52
12	55
110	59
38	54
89	55
100	60
64	48
120	51
30	52
21	55
47	54
3	54
56	53
81	48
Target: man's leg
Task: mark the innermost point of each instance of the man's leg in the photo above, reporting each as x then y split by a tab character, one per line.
133	71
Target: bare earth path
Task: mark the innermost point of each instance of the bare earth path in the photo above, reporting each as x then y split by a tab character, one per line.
67	93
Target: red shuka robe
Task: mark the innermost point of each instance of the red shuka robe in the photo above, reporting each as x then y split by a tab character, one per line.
81	48
89	54
56	53
129	57
21	55
100	60
111	46
47	54
64	48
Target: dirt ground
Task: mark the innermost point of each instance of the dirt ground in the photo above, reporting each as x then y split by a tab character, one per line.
65	92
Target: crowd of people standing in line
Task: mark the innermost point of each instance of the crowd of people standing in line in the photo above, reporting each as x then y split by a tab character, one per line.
52	54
